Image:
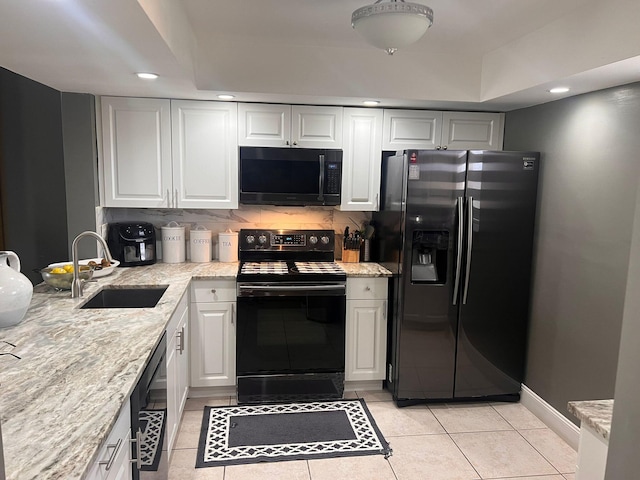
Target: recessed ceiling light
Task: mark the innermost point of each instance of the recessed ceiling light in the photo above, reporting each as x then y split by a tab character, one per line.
225	96
371	103
559	90
147	76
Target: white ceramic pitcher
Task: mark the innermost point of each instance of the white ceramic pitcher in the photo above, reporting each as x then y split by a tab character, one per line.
15	290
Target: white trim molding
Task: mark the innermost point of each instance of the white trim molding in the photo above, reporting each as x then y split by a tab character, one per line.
551	417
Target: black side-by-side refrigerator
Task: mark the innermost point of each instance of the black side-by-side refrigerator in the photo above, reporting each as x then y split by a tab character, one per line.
456	229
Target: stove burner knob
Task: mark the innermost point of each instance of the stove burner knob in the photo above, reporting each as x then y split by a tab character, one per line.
250	239
313	239
262	239
324	239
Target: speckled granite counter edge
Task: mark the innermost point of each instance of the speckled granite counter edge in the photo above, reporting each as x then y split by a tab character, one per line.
594	413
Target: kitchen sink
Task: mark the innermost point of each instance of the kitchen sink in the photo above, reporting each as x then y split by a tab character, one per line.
126	297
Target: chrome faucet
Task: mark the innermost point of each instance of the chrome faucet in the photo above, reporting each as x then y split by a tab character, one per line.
78	283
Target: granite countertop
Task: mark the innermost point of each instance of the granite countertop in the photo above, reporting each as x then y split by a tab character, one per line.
77	368
594	413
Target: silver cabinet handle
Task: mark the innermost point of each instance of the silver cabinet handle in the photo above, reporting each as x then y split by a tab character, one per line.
180	344
456	282
175	198
168	199
138	442
116	448
233	313
469	247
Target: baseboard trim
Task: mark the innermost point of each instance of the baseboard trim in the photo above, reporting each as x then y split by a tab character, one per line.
551	417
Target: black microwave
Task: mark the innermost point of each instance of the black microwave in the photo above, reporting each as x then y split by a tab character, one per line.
290	176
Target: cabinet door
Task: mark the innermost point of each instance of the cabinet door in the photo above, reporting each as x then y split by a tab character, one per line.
205	154
406	129
362	159
316	127
262	125
366	340
213	344
472	130
113	461
183	349
177	377
136	146
173	420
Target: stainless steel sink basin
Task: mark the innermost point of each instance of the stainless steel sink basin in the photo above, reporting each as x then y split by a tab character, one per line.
126	297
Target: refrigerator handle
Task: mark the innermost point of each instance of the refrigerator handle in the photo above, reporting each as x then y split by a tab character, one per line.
469	248
456	282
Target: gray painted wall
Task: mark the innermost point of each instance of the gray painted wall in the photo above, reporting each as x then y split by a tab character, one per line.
33	181
80	168
589	175
623	460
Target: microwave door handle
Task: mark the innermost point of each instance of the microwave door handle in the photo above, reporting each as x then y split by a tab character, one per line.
321	181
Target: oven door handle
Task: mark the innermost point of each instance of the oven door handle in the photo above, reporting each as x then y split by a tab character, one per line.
290	290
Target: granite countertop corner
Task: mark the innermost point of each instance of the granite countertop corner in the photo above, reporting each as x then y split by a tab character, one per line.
594	413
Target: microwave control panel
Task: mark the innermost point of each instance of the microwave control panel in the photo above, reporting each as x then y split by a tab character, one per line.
333	178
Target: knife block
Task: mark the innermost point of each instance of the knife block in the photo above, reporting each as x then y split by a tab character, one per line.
350	256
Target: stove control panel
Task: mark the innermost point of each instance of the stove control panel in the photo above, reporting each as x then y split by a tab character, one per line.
287	240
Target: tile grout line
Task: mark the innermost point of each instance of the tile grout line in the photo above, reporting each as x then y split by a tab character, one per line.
540	453
464	455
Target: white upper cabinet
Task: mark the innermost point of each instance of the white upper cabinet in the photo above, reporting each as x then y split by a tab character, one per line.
205	154
422	129
172	154
472	130
263	125
411	129
362	157
316	127
136	145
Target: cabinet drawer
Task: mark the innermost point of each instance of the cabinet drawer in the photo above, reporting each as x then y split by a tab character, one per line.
115	450
213	291
367	288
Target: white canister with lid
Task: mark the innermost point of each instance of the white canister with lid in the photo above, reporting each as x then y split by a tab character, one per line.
228	246
173	246
200	244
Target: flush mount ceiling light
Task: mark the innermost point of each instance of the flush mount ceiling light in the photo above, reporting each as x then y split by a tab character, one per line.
147	75
559	90
392	24
371	103
226	96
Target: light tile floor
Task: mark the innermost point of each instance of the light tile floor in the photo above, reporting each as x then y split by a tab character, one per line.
432	442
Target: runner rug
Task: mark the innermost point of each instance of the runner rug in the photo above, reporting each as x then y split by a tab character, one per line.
292	431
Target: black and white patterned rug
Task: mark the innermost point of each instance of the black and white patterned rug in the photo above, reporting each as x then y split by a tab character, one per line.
292	431
153	422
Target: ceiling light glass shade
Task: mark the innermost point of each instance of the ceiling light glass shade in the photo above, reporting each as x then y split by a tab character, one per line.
392	24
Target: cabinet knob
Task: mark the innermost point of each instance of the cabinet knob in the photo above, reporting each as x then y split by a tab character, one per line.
213	290
438	147
367	288
295	143
444	148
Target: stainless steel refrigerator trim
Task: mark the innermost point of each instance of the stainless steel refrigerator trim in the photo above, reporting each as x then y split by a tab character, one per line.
469	234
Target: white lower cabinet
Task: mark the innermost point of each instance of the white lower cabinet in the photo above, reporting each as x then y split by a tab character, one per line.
366	335
177	364
213	333
114	458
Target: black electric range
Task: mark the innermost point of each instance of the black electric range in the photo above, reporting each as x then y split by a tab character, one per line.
291	307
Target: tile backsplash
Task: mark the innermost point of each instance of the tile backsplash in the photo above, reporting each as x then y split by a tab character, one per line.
244	217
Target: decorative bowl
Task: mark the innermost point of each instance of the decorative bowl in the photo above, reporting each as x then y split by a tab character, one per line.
99	269
62	281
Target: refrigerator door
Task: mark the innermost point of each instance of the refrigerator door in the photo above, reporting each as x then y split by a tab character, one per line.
427	328
501	201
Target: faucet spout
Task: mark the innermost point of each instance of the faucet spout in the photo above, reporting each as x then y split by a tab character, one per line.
78	283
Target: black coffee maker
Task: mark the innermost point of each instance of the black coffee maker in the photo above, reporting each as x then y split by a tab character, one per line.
132	243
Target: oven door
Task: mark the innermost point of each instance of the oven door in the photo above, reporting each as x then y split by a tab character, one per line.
290	341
